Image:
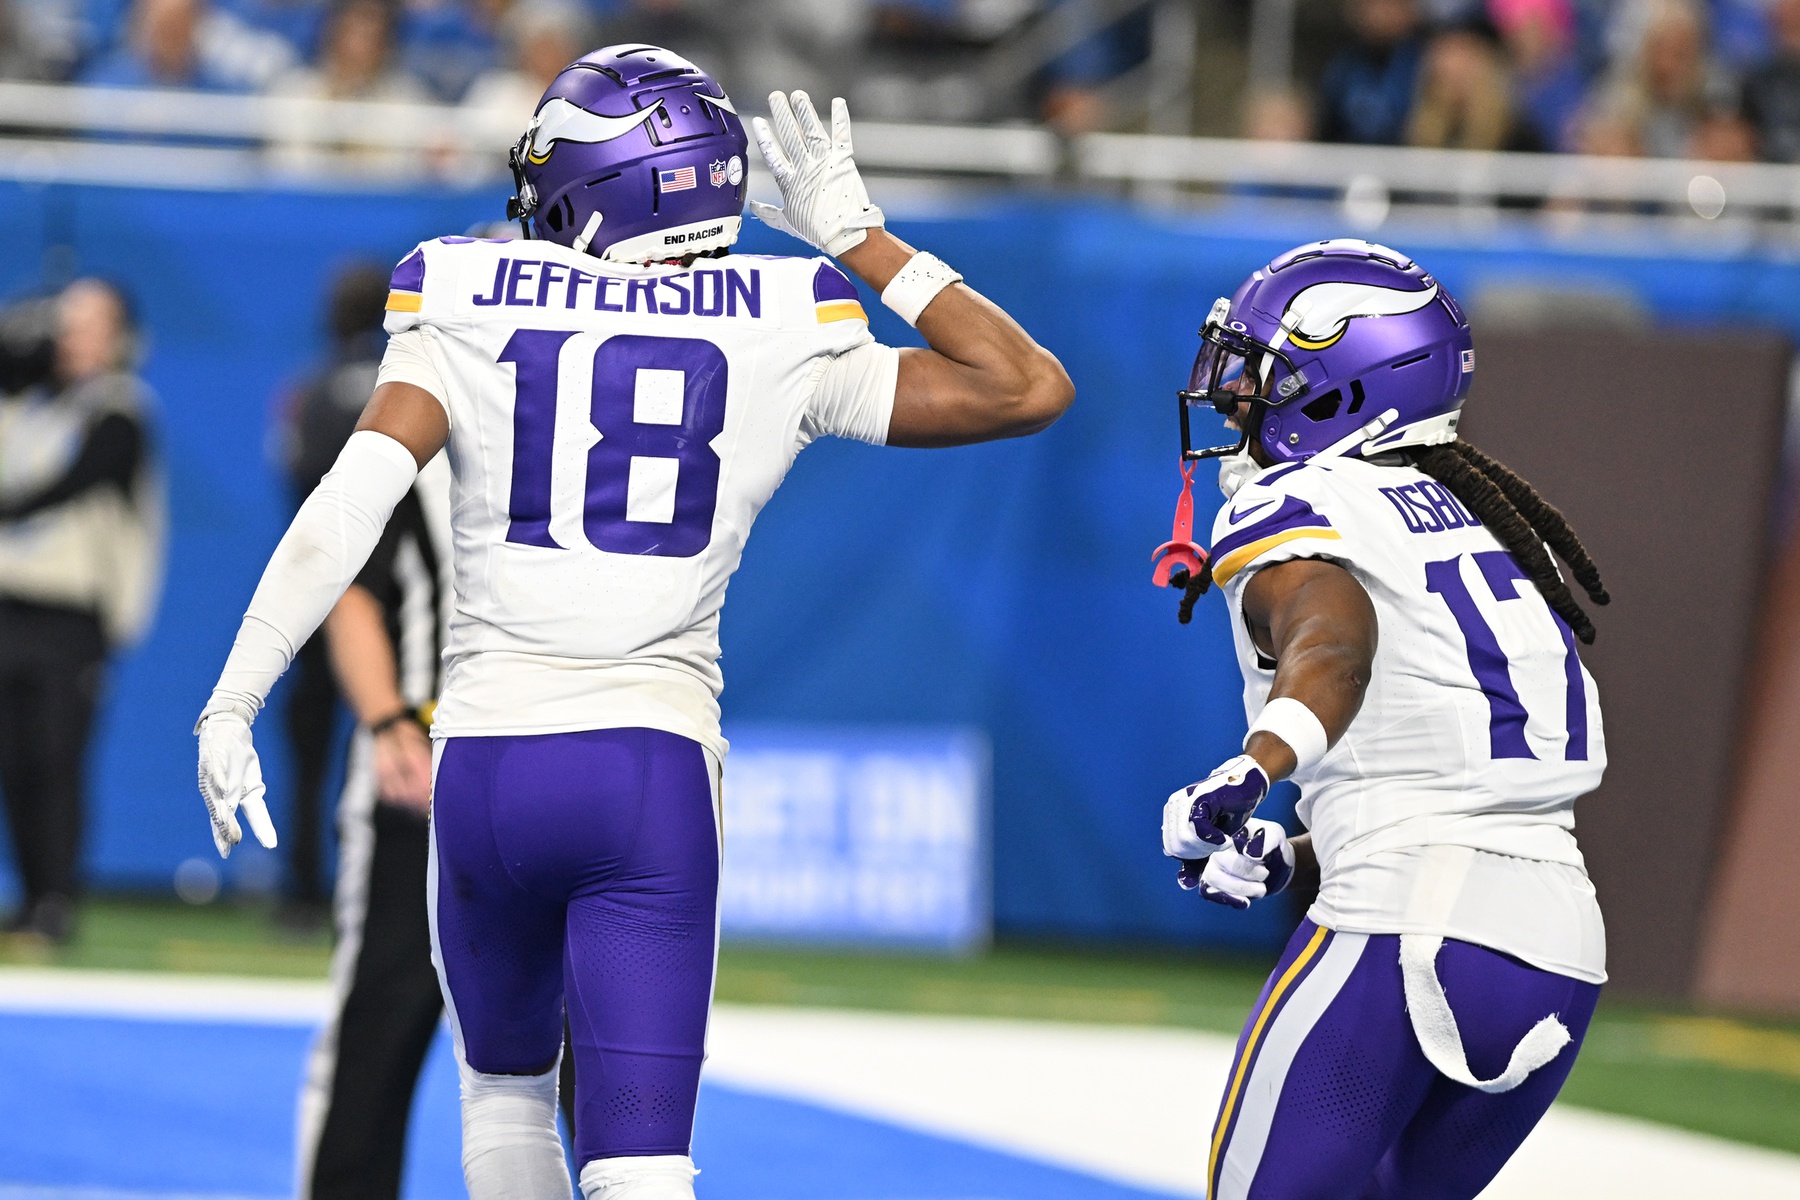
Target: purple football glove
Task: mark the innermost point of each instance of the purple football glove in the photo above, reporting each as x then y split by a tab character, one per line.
1200	818
1258	863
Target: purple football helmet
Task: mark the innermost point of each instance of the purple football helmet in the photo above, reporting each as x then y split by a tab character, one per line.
1342	347
635	155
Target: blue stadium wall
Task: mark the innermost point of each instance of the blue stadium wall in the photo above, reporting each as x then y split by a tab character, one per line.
1004	587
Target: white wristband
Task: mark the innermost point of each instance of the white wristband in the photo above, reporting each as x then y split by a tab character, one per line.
917	284
1295	724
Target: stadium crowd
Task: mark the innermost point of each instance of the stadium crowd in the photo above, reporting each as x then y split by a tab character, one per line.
1712	79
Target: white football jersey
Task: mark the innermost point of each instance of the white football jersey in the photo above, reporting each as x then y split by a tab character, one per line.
1448	805
614	431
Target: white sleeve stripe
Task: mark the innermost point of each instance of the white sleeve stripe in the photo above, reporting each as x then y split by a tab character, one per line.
408	360
855	397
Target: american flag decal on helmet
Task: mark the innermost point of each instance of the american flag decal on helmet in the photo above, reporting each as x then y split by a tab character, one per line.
1468	361
679	180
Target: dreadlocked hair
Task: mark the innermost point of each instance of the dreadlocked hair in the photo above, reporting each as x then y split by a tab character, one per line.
1523	521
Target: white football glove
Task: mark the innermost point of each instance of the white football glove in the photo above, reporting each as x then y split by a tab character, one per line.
825	202
1259	862
230	777
1201	817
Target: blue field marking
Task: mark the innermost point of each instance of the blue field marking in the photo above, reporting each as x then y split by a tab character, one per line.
97	1108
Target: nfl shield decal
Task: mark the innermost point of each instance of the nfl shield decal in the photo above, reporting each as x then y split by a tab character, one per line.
679	180
716	172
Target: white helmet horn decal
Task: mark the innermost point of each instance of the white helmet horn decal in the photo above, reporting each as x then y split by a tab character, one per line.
560	120
1320	314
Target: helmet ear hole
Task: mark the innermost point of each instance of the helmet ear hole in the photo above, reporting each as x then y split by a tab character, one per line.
554	218
1325	407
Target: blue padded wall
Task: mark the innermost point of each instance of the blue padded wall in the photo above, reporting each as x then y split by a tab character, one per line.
1002	586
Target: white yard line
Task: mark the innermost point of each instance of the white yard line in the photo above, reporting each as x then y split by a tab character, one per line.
164	997
1134	1104
24	1191
1127	1103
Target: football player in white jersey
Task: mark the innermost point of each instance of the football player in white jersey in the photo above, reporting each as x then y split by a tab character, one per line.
618	399
1408	648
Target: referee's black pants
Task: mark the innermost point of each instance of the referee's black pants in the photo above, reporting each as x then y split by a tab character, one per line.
357	1098
51	663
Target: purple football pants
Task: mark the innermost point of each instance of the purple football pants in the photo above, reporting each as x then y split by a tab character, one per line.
1330	1097
582	868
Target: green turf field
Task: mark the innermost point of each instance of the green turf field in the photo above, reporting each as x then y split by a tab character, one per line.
1733	1078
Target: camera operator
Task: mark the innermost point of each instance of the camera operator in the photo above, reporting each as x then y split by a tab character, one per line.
80	565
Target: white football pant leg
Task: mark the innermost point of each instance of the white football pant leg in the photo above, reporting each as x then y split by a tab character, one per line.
511	1148
651	1177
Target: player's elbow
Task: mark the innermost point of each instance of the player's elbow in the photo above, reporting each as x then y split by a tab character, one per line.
1038	392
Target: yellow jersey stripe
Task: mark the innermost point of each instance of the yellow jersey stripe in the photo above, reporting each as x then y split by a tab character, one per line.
1243	556
405	301
841	310
1250	1043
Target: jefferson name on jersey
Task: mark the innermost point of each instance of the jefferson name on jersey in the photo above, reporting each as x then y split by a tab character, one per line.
521	278
723	291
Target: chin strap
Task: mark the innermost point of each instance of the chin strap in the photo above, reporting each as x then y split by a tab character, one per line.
1178	562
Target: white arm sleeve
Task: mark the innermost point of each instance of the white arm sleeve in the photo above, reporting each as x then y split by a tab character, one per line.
409	359
855	396
331	538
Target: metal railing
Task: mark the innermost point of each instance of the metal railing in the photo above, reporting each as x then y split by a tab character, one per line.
1461	177
167	138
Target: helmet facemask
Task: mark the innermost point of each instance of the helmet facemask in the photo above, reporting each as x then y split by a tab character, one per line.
1232	368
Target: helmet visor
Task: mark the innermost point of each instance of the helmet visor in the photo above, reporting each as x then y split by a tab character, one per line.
1230	367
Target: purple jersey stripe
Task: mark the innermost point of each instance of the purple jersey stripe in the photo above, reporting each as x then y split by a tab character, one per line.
409	276
1291	514
1278	473
829	284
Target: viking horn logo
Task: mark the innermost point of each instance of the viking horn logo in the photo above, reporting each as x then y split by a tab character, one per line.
560	120
1321	314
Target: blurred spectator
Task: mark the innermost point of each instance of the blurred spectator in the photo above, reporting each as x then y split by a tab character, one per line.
296	23
1366	95
1276	115
163	50
1464	101
1723	136
1670	86
1602	134
80	567
446	44
1074	100
356	59
356	53
25	50
319	418
1741	32
243	53
1549	80
543	38
1772	93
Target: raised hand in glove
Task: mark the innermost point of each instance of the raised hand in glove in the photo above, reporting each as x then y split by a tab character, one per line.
824	202
1258	863
230	778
